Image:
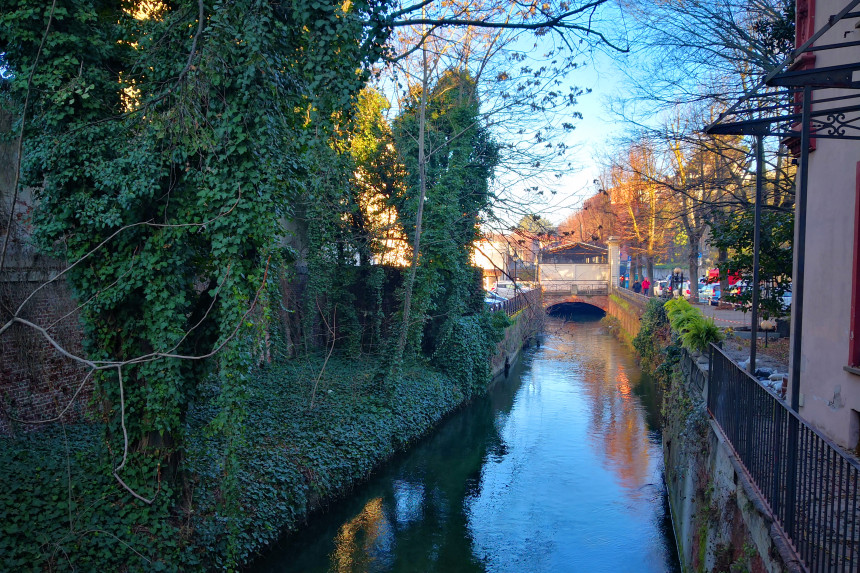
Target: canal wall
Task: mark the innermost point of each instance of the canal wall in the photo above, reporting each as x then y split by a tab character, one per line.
627	308
720	521
524	327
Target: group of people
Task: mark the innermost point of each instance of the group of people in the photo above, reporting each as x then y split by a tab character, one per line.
637	287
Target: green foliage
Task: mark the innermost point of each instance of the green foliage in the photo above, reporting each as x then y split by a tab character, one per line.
696	331
60	511
698	334
465	347
735	234
536	224
462	158
294	457
653	330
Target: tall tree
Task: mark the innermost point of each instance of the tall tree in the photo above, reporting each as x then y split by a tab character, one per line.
444	197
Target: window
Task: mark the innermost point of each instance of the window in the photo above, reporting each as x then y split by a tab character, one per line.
854	333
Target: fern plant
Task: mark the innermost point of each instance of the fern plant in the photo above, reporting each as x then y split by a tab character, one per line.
700	332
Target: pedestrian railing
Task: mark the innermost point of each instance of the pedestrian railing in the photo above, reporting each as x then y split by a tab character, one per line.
808	482
516	304
575	286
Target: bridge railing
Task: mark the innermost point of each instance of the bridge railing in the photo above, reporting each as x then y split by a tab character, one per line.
575	286
639	299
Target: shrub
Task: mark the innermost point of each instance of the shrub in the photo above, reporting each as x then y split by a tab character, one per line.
695	331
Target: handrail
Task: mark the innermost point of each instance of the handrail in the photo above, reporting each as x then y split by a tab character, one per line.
808	482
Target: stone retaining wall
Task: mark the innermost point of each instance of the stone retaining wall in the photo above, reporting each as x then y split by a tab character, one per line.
627	307
720	522
525	325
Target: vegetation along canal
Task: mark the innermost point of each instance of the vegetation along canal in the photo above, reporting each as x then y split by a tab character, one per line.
558	468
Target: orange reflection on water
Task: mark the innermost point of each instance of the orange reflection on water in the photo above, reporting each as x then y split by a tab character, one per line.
357	538
617	422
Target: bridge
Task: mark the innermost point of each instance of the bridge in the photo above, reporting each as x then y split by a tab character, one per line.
580	273
576	273
595	293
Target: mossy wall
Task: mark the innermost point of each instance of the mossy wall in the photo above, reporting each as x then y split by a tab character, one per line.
720	524
627	309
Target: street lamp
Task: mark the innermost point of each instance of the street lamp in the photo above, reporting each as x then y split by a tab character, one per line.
677	279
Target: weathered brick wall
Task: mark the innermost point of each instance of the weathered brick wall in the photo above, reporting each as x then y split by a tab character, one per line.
37	382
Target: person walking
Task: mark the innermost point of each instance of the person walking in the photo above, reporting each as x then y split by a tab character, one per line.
646	284
637	287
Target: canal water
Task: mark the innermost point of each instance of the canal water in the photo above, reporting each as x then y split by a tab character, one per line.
557	469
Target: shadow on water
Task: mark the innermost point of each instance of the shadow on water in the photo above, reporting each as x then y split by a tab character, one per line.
556	469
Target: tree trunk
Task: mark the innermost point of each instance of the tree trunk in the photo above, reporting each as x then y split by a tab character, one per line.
649	264
722	262
416	244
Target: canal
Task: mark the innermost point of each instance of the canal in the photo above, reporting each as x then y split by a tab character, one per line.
557	469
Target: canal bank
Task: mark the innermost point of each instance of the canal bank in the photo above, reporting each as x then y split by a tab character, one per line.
557	468
304	451
304	432
720	519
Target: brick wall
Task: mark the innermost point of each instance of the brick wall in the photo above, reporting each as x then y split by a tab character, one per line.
36	381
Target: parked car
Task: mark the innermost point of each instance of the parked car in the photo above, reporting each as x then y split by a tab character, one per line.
660	287
491	298
509	289
710	294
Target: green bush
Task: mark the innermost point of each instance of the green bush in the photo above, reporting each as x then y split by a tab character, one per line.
695	331
465	347
653	329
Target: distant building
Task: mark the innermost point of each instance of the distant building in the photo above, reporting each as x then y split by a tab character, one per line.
574	267
507	257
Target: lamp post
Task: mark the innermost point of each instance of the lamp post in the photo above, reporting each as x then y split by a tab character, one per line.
677	281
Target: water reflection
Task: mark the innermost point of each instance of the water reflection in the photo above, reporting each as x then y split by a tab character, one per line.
556	470
363	541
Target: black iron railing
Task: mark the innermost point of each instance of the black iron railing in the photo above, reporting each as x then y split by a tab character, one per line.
809	483
516	304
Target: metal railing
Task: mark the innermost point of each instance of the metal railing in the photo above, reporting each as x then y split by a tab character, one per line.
516	304
808	482
575	286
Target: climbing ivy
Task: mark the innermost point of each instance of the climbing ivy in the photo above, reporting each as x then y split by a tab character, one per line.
465	347
187	167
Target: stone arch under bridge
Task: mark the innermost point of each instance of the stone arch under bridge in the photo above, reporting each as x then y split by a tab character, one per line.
598	301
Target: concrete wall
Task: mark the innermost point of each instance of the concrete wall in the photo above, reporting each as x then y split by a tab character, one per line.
627	307
830	396
720	523
583	272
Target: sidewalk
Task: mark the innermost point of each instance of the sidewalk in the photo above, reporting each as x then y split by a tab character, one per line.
723	318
